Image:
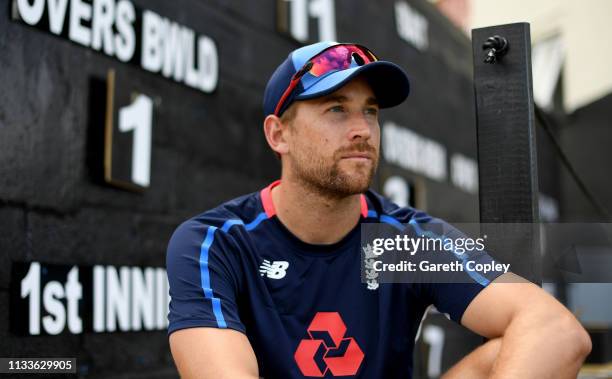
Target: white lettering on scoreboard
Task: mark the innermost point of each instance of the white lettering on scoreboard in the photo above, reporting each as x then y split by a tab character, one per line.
414	152
124	299
396	189
412	26
301	11
411	151
464	172
138	117
168	48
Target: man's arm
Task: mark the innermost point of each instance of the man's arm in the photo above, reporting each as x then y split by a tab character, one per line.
207	337
540	337
203	353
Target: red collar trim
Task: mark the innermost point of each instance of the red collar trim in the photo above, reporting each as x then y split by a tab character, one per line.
266	199
364	206
268	205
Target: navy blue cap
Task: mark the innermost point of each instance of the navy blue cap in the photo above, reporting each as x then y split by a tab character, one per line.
389	82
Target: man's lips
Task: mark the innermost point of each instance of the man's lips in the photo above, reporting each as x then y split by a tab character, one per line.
357	156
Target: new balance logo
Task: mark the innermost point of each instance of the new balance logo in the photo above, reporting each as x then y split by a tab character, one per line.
274	270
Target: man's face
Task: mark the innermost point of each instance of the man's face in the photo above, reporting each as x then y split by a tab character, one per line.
334	140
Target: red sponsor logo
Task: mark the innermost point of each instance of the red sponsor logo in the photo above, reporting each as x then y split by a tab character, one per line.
328	349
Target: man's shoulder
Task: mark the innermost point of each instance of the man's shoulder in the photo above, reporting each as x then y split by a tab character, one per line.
242	209
384	208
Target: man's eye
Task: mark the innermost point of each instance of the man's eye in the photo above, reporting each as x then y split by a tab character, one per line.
372	111
336	108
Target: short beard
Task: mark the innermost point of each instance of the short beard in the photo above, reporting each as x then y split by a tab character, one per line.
331	182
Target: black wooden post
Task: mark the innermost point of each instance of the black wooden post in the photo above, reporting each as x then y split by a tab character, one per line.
507	159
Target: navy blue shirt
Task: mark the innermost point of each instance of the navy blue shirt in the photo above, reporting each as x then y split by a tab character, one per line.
303	307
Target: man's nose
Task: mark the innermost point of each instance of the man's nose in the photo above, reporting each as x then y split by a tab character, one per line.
360	128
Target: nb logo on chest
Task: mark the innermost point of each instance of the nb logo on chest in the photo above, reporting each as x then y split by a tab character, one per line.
274	269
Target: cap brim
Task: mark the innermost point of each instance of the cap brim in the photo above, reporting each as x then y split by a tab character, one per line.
389	83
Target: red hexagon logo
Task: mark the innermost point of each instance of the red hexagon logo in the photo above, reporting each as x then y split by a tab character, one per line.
328	348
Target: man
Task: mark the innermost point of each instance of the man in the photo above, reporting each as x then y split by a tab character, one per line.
269	284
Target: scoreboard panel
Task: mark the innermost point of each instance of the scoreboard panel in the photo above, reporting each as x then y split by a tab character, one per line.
121	118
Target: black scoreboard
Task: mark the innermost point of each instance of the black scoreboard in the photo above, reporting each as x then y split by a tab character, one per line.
121	118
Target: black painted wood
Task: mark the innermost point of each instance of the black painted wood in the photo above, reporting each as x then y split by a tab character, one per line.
507	156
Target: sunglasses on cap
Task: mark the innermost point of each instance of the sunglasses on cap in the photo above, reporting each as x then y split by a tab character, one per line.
334	58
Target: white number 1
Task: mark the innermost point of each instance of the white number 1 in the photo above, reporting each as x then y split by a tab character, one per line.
138	117
434	336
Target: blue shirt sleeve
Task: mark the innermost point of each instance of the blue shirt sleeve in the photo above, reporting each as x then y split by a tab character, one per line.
454	298
202	280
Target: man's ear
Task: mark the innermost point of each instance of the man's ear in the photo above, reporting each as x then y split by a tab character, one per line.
276	133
